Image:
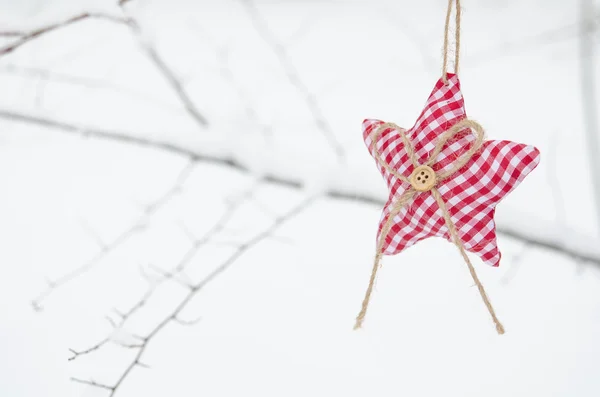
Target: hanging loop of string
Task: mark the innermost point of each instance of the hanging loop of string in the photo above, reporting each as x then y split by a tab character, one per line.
456	39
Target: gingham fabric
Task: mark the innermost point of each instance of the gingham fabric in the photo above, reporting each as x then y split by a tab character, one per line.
471	194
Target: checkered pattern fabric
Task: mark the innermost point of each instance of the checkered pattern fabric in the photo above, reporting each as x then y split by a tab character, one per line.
471	194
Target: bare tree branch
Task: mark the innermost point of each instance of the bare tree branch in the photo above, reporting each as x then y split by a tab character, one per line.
197	243
25	37
84	268
294	77
300	32
123	137
12	33
123	237
93	383
526	44
174	316
590	103
86	82
88	350
165	70
175	84
554	182
149	49
226	72
93	234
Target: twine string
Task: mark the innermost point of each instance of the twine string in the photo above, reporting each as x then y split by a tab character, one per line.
408	195
454	235
456	39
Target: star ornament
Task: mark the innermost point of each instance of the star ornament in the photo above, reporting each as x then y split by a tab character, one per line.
471	194
444	180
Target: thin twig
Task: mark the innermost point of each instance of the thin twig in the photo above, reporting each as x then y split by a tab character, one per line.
148	48
218	226
165	70
123	237
88	350
226	72
93	234
174	316
25	37
294	78
93	383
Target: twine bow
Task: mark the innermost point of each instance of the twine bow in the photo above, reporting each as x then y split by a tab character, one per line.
414	189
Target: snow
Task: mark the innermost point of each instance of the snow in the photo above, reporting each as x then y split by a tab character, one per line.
279	320
34	353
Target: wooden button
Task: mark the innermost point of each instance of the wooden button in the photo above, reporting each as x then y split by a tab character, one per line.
422	178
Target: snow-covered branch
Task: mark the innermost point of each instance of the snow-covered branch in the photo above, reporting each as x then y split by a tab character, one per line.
576	246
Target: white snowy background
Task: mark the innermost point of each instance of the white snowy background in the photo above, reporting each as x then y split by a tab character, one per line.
187	207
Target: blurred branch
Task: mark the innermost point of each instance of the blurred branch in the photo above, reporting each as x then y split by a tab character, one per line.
11	34
554	182
86	82
25	37
175	83
590	103
307	22
164	69
515	263
294	77
124	236
85	131
534	241
526	44
409	28
148	48
222	54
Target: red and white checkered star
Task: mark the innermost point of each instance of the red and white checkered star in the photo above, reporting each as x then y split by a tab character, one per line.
471	194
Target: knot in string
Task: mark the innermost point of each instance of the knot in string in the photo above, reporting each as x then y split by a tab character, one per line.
463	159
424	179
